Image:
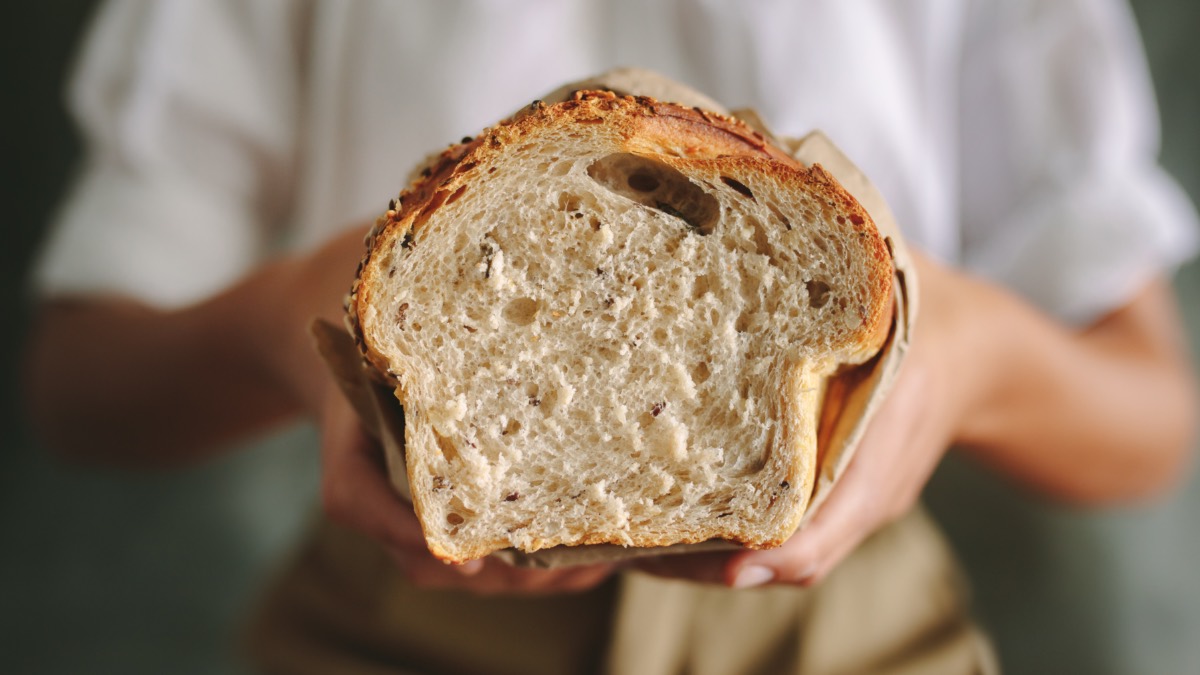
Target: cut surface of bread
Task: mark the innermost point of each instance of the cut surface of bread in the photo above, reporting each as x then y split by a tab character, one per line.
609	321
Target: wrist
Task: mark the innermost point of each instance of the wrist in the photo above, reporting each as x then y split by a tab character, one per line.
293	292
962	329
276	330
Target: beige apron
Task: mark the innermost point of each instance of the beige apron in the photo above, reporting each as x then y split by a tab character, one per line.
896	605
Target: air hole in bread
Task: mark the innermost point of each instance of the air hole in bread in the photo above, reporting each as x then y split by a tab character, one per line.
447	447
670	500
743	322
700	372
643	181
738	186
569	202
701	285
768	448
783	220
715	499
518	311
549	401
461	242
511	428
818	293
457	194
749	288
459	513
658	186
762	243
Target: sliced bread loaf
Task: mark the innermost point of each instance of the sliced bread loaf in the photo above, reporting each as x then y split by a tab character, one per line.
609	320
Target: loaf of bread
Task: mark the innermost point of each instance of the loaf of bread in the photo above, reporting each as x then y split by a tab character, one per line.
609	321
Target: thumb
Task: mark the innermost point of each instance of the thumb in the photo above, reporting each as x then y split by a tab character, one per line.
810	554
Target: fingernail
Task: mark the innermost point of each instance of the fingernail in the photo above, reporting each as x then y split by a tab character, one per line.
470	568
753	575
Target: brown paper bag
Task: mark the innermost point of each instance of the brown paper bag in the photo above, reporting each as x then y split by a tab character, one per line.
852	395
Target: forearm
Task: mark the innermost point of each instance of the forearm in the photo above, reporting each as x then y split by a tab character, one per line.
112	381
1091	416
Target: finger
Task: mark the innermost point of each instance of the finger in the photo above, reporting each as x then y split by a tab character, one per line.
798	561
424	571
882	482
840	524
469	568
355	490
566	580
404	556
499	578
701	567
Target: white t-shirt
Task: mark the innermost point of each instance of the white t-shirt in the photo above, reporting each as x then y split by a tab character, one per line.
1017	139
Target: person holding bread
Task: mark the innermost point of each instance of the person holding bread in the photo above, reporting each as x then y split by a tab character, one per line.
226	196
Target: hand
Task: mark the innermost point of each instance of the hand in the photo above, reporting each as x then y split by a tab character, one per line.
904	443
354	485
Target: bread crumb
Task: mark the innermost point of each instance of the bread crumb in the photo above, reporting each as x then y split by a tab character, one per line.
620	413
687	249
606	235
664	480
566	394
497	279
684	387
668	437
648	309
445	418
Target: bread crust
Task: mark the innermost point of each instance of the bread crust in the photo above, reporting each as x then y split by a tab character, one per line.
683	137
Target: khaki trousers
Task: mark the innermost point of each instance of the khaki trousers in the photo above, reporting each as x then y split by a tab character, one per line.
896	606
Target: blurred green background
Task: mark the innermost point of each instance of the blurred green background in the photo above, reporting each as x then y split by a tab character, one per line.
107	572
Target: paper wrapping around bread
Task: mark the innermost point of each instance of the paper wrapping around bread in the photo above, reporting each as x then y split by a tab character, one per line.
851	397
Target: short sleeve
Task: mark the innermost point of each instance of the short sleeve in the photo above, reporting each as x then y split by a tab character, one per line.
187	114
1063	199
